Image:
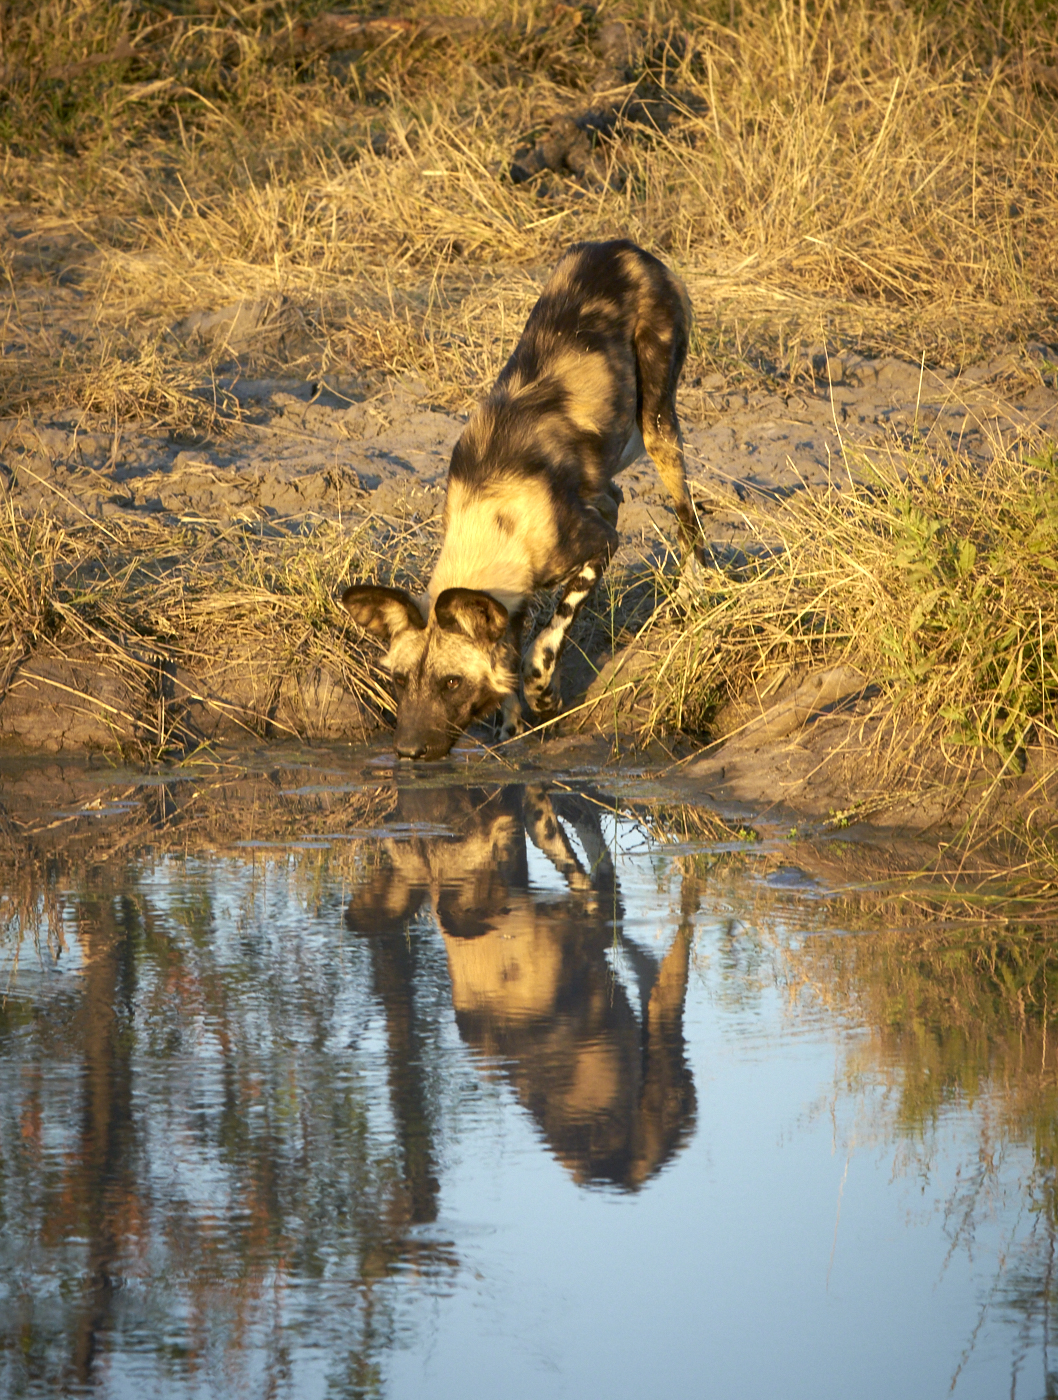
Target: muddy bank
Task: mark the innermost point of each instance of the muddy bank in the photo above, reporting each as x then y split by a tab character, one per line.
835	762
279	798
302	458
309	806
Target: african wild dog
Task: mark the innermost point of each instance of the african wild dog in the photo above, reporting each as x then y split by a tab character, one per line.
531	502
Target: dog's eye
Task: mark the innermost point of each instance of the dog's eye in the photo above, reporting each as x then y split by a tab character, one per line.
453	682
400	680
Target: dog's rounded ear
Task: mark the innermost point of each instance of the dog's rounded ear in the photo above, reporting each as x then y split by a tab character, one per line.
385	903
478	615
385	612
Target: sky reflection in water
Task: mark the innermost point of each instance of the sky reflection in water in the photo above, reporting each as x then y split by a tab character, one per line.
507	1097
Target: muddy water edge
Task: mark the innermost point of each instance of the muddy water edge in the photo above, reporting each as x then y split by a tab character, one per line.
321	1078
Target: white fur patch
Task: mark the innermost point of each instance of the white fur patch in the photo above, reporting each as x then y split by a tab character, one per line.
405	651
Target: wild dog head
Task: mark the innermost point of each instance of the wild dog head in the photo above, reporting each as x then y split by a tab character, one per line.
448	670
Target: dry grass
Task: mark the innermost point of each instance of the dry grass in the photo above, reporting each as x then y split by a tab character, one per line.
140	596
878	175
937	580
875	173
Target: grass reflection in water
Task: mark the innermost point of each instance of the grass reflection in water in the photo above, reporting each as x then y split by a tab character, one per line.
254	1027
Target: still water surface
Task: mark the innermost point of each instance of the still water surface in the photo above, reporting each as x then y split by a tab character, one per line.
512	1091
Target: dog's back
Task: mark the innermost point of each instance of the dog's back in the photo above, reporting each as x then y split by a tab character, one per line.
602	350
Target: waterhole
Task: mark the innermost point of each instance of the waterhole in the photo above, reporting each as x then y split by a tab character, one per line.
361	1084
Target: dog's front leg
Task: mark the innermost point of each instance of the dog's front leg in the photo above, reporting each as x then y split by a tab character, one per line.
539	670
546	833
511	723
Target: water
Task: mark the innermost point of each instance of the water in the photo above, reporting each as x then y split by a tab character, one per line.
339	1089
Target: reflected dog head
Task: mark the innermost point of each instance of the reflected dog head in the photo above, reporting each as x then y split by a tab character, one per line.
467	873
448	669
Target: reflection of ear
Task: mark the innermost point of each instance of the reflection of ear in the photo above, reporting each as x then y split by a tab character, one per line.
459	920
384	903
385	612
472	612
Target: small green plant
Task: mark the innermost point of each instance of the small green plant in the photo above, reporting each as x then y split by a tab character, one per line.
1046	460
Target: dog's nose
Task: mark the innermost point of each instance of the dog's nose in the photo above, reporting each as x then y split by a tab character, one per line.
411	750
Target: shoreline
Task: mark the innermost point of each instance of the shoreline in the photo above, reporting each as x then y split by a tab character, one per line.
166	619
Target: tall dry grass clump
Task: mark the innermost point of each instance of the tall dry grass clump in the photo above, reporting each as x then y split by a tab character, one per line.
936	579
235	618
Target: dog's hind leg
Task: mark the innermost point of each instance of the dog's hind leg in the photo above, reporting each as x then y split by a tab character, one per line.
539	668
660	353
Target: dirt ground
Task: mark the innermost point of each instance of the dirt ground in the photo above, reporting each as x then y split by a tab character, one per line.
304	452
299	454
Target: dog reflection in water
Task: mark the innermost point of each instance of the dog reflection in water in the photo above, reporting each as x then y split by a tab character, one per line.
533	988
